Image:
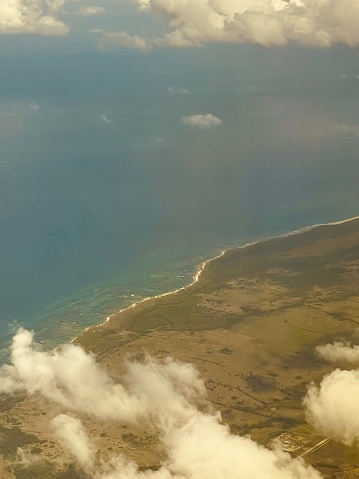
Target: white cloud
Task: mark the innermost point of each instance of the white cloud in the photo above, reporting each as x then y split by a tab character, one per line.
68	377
179	90
72	435
196	442
203	122
124	39
105	119
339	352
333	406
321	23
266	22
34	106
31	17
90	10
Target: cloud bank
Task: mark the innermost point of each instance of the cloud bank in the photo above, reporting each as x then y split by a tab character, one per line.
333	406
320	23
197	444
204	122
31	17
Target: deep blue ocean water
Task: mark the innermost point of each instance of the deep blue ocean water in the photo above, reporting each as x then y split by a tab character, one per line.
106	197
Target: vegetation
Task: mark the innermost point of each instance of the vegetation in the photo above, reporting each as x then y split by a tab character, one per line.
250	325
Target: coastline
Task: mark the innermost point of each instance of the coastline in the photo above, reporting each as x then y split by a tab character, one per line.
201	267
249	325
195	279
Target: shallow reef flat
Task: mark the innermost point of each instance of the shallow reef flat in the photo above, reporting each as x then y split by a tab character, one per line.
250	325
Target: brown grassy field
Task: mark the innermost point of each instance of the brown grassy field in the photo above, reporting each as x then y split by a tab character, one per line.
250	325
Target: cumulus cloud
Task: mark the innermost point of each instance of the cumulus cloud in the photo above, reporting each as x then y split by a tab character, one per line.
204	122
203	448
340	352
333	406
197	443
320	23
124	39
68	377
179	90
31	17
72	435
90	10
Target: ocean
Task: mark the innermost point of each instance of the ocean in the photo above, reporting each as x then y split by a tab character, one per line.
107	197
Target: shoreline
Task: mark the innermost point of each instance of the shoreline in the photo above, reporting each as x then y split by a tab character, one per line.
202	266
195	279
249	327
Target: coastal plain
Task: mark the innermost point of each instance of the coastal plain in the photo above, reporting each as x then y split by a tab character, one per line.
250	324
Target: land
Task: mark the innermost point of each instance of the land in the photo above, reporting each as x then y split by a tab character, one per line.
250	324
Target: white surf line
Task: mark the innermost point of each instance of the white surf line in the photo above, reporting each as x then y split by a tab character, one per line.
196	277
317	446
311	227
317	225
202	266
342	221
